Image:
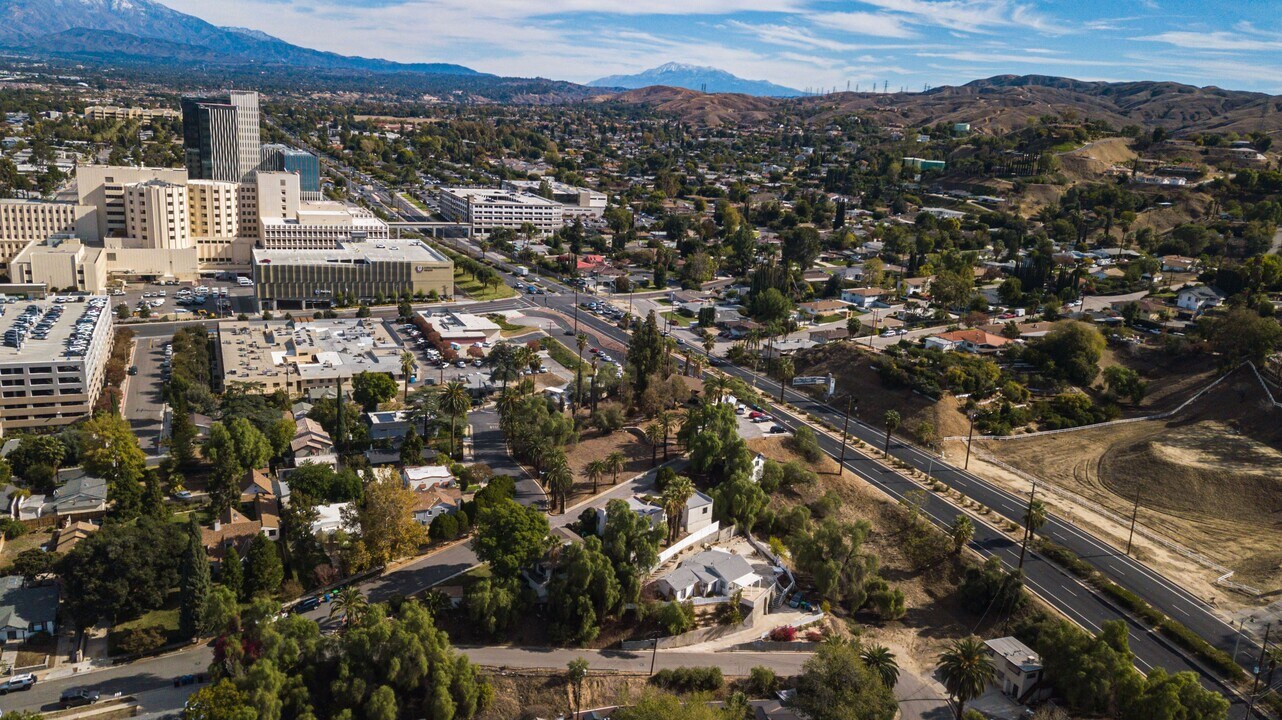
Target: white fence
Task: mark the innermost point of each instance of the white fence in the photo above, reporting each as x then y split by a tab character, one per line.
688	541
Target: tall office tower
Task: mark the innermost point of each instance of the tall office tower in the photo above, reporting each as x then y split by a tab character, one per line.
282	158
221	136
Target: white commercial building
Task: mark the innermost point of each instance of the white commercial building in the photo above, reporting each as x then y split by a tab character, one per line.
52	361
576	202
486	209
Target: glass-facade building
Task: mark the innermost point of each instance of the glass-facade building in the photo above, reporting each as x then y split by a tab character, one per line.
304	164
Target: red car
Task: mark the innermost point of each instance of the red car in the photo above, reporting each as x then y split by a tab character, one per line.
754	415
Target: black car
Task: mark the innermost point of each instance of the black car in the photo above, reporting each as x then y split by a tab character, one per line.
307	604
77	697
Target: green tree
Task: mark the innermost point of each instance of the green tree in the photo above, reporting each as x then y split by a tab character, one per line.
222	611
263	569
966	671
121	571
560	479
1242	334
785	370
615	462
231	572
220	701
371	388
455	402
510	537
740	501
194	583
350	605
961	531
110	451
596	470
583	592
676	493
34	563
1071	350
409	364
411	448
881	661
1125	382
891	421
676	617
835	684
632	544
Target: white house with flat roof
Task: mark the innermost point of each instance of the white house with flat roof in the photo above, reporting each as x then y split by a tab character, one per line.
1018	669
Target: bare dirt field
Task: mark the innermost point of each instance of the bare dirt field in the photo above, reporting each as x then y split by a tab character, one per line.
531	694
1209	478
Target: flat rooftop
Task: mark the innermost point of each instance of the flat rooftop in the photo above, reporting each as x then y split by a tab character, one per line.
355	252
319	349
449	322
495	196
51	328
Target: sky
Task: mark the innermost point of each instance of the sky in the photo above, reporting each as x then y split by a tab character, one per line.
804	44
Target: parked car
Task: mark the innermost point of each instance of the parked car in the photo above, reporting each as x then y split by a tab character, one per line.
78	697
307	604
17	682
776	429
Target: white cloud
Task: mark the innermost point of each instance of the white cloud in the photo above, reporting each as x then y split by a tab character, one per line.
968	15
1218	40
863	23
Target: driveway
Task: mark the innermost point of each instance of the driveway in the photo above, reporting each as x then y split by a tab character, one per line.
144	401
490	447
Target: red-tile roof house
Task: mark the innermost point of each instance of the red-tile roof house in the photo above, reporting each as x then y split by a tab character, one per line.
971	341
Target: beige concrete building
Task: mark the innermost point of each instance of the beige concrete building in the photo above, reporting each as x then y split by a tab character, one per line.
285	222
488	208
213	208
283	354
62	262
102	187
112	112
307	278
52	362
25	221
156	216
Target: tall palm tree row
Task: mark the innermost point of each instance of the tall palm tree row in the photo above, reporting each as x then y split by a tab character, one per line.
560	479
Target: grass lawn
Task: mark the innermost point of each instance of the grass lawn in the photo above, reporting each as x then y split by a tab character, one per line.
165	618
467	285
567	358
414	201
509	328
679	319
822	319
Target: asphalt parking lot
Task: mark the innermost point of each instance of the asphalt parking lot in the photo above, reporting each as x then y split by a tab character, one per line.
239	299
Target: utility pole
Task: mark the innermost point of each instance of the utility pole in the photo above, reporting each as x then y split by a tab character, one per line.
1134	514
969	435
1241	626
841	464
1259	669
1027	525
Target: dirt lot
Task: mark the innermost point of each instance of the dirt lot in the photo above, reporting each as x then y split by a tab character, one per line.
530	694
593	446
1209	478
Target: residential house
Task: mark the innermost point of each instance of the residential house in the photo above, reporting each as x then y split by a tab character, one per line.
911	287
1197	298
80	496
255	484
434	502
231	529
827	335
329	519
1018	670
974	341
1180	263
423	477
71	534
1027	331
816	309
865	298
25	610
758	467
312	444
388	425
641	507
706	574
697	514
202	423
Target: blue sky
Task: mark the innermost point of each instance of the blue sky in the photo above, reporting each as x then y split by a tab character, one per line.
804	44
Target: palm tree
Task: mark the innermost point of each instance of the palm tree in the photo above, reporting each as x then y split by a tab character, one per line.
715	388
581	341
527	357
654	434
962	531
709	343
966	671
614	463
881	660
560	479
665	420
455	402
505	368
1034	519
576	673
350	604
786	370
424	406
595	471
675	495
891	419
408	365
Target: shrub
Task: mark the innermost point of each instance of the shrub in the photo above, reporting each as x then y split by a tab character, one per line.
676	617
787	633
761	681
805	444
1192	642
688	679
137	641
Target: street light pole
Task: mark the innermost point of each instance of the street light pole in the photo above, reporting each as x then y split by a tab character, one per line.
841	464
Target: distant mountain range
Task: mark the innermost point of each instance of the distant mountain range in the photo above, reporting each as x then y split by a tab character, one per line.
694	77
995	104
145	31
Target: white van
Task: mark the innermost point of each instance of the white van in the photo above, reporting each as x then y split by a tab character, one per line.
244	281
